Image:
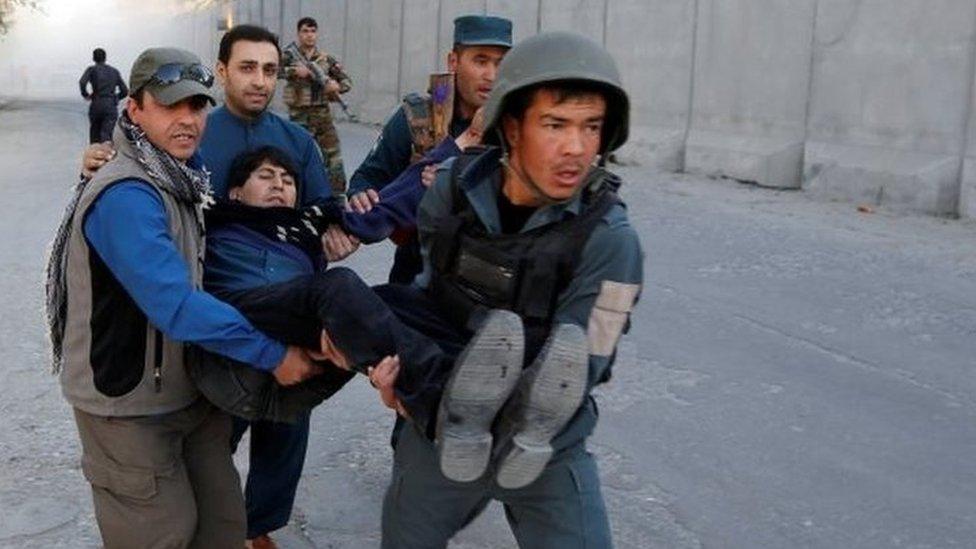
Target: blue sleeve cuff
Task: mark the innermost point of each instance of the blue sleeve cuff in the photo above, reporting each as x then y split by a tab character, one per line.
271	357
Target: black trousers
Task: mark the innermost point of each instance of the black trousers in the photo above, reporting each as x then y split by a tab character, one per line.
101	125
362	326
407	263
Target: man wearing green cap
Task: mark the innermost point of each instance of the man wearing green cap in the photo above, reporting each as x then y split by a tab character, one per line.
531	223
124	297
480	42
247	67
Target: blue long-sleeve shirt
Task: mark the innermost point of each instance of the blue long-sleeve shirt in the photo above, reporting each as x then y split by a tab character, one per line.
226	136
129	229
240	258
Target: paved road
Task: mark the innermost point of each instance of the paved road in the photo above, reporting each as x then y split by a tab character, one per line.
798	375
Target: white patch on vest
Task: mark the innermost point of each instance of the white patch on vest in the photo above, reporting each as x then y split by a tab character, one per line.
609	316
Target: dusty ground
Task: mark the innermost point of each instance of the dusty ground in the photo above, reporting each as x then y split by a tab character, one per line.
798	374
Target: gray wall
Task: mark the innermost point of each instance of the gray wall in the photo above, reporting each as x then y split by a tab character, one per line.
869	101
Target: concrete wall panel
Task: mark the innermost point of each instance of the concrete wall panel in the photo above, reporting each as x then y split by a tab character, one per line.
331	17
239	13
240	10
356	46
419	53
891	76
871	98
271	16
657	74
250	11
291	12
583	16
967	191
205	36
523	13
750	92
382	79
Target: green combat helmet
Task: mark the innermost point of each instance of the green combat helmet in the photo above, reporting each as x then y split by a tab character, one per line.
555	56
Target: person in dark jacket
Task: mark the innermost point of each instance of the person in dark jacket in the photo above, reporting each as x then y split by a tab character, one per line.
264	257
107	89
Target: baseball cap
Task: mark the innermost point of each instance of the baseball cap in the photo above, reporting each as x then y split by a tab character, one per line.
171	75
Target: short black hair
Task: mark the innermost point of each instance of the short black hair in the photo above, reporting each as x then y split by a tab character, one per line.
520	100
98	55
306	22
248	33
245	163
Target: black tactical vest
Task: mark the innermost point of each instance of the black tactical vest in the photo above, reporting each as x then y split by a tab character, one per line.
473	271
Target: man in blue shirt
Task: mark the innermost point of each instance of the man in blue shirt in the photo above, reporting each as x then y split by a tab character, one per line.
247	66
263	258
124	296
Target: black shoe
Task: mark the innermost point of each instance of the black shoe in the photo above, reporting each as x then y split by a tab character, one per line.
484	376
549	393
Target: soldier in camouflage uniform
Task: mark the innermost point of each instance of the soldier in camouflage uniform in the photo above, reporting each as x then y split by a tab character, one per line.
314	79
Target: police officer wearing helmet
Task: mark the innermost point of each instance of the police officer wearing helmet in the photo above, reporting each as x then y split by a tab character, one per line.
480	42
531	223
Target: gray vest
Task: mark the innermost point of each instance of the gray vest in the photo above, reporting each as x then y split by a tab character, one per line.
116	362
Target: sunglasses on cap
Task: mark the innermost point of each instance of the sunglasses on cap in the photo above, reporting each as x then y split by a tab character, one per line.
171	73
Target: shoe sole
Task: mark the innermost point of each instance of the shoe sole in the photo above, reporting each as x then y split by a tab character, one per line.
484	376
553	398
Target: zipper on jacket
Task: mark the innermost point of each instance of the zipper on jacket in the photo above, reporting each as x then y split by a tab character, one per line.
158	362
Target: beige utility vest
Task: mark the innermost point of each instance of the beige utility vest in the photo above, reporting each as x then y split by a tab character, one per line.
116	362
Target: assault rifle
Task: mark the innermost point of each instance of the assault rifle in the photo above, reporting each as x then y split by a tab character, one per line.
319	76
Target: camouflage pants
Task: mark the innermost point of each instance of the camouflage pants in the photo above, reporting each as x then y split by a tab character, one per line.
318	121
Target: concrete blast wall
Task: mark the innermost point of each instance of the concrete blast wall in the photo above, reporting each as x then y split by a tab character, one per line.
861	100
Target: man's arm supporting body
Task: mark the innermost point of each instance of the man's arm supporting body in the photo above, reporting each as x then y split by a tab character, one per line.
127	226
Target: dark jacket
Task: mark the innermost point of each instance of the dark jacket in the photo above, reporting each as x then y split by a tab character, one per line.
107	88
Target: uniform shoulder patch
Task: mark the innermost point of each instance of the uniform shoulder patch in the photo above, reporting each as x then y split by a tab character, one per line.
609	316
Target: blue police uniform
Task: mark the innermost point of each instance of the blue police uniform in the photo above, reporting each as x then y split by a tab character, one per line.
563	507
392	151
